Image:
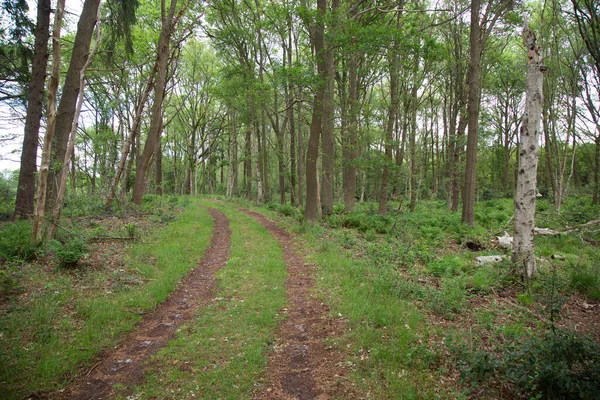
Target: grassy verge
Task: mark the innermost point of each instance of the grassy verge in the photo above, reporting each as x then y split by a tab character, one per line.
427	322
222	353
65	317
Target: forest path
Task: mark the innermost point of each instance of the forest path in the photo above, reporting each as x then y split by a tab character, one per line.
303	366
124	365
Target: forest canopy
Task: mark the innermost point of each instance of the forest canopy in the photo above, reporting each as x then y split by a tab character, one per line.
301	102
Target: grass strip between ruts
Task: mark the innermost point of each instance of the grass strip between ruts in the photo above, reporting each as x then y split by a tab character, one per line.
223	352
72	316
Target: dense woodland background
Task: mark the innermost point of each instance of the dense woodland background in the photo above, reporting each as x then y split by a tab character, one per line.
298	102
382	119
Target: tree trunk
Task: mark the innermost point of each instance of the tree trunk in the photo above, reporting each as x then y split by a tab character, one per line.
133	134
312	152
597	167
525	196
158	170
327	134
38	218
68	100
350	143
290	105
468	209
389	129
232	156
301	159
62	186
143	168
26	186
248	162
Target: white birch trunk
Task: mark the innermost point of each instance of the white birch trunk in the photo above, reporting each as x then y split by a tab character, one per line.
525	196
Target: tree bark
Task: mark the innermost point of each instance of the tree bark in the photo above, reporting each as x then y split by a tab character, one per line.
68	100
143	168
393	63
38	218
62	185
133	133
312	152
525	196
26	186
327	132
473	104
350	143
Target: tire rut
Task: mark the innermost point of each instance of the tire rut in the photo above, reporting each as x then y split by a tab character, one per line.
124	365
303	366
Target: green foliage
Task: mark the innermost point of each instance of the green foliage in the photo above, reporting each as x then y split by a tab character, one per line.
446	266
483	280
132	230
555	366
71	315
69	252
450	298
8	190
15	241
586	280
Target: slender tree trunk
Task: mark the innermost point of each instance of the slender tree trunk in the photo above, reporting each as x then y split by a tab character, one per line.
327	132
525	196
35	99
68	99
62	187
597	167
232	156
38	218
413	136
133	133
389	128
468	209
312	153
259	170
158	171
143	168
350	144
290	105
301	157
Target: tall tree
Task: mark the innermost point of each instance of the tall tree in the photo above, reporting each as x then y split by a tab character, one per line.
70	92
169	20
312	152
525	196
26	187
38	217
481	27
587	16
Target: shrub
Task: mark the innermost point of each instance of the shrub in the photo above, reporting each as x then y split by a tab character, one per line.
131	230
287	210
446	266
557	365
70	252
15	241
586	281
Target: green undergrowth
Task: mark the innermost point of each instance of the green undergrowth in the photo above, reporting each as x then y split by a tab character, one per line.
222	353
65	316
428	322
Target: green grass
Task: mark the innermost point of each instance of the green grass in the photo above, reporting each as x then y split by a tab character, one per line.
222	353
67	316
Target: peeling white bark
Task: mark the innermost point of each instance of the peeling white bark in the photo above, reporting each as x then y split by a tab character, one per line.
525	195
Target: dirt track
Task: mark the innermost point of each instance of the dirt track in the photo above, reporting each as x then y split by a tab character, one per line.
302	366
